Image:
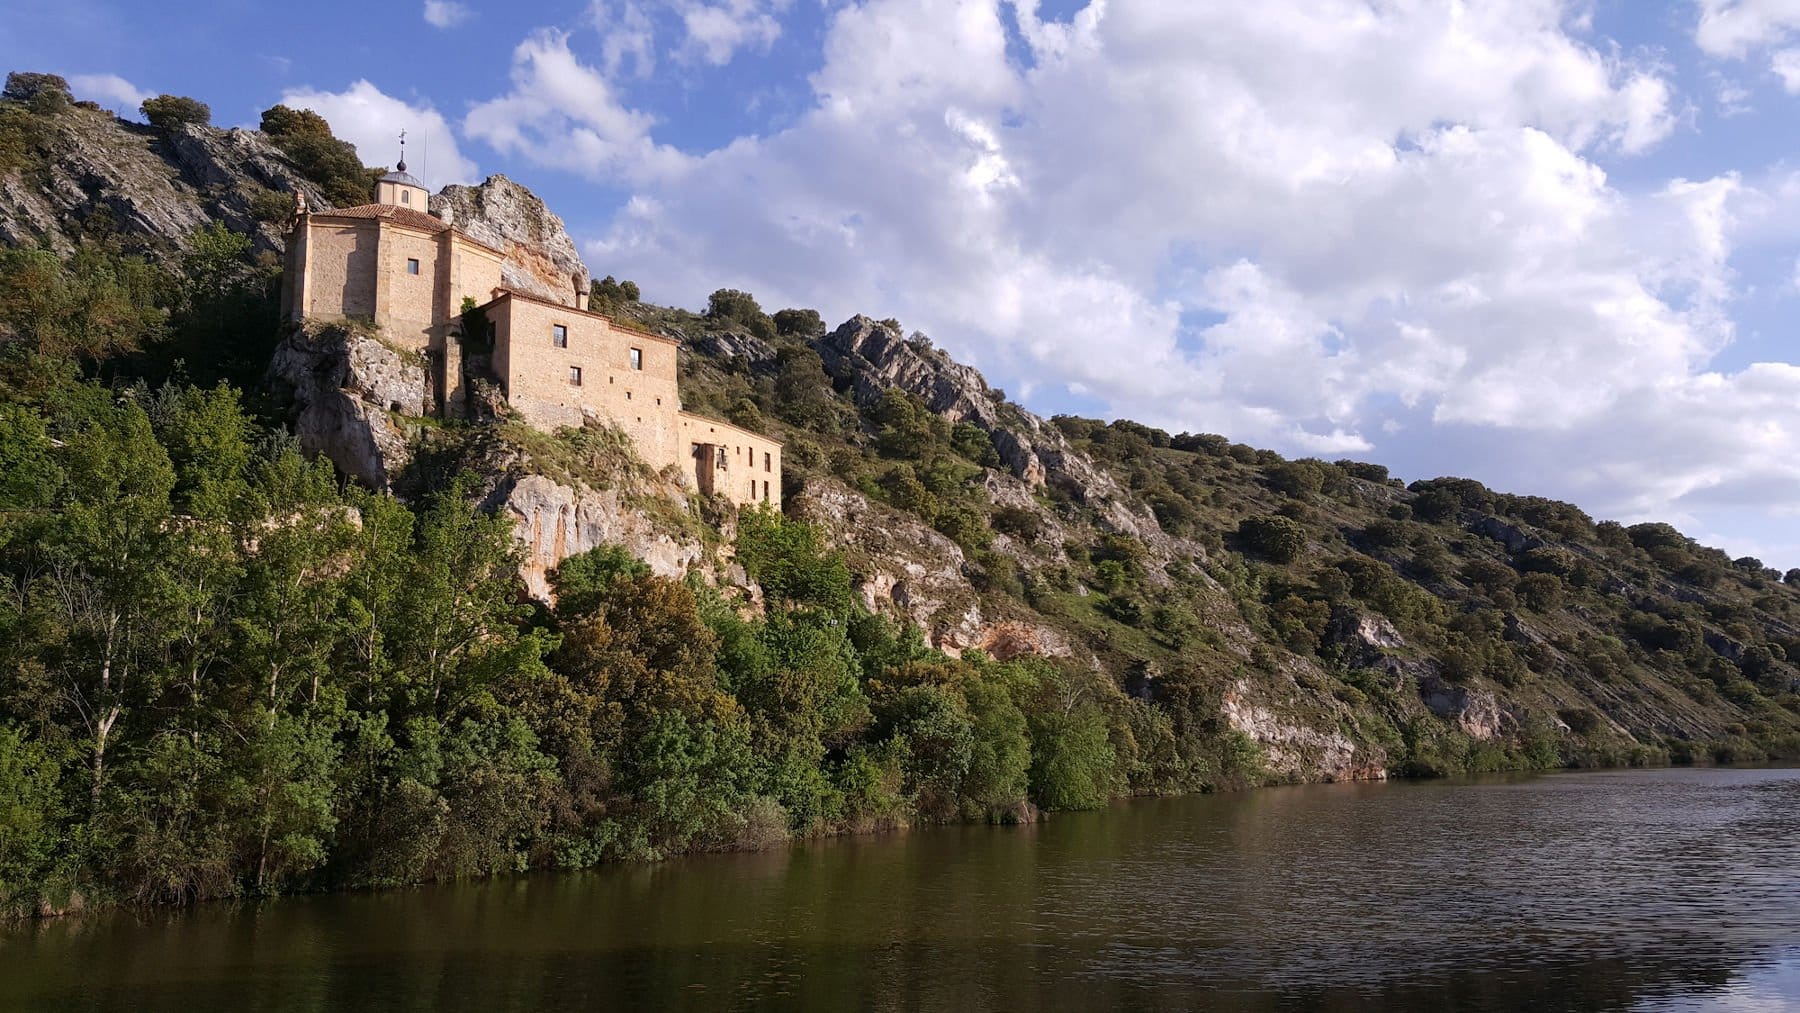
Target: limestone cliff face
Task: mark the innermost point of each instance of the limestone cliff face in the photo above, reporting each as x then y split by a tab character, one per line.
1296	750
541	259
348	393
553	521
906	570
152	187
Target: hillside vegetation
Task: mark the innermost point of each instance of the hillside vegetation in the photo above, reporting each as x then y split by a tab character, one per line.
227	670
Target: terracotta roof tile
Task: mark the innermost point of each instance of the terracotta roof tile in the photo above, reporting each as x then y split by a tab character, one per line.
390	212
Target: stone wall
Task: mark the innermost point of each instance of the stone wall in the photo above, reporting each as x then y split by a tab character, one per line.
407	304
341	270
540	385
539	382
747	472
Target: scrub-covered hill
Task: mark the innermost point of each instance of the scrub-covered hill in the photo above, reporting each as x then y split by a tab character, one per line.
265	625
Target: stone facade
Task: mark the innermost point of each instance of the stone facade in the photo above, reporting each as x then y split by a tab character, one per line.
558	364
403	270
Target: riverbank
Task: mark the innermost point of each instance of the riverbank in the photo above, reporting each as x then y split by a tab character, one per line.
80	906
1576	890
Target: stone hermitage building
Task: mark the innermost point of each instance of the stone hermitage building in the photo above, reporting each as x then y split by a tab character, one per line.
409	272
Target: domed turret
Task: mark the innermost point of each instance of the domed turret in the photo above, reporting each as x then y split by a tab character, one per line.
401	187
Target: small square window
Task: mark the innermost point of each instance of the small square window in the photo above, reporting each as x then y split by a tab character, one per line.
637	358
559	335
412	265
575	376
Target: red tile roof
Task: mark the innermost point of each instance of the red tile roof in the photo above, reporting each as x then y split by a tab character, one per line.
390	212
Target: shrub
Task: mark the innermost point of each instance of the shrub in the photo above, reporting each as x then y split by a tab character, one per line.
799	323
1387	534
334	165
1022	523
43	94
1300	623
1435	506
1210	444
609	295
730	306
1489	577
1376	473
1299	479
1652	536
1541	591
166	112
1275	538
268	205
972	442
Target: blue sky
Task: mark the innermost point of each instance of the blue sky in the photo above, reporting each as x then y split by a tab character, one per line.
1550	245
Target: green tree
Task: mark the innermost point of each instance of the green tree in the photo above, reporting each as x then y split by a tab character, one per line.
730	306
939	746
799	323
166	112
30	815
1072	759
333	165
1278	539
791	563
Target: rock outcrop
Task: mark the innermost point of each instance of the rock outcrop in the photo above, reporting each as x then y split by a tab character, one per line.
1294	750
906	570
1477	712
869	358
153	188
349	393
541	259
552	522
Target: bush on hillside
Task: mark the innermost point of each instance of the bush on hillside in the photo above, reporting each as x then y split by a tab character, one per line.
306	138
1275	538
166	112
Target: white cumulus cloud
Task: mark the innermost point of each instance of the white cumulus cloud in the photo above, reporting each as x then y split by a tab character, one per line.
564	113
1733	28
109	90
372	120
446	13
704	31
1736	29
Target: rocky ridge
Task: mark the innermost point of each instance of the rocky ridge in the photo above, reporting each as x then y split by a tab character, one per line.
102	174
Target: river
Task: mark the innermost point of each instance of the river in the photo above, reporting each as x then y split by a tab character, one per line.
1635	889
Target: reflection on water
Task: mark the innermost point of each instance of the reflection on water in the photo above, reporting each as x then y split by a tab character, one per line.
1665	889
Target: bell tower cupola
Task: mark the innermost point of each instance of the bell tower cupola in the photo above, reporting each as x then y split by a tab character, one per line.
401	187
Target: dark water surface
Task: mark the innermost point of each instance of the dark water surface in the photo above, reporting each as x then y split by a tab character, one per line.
1651	889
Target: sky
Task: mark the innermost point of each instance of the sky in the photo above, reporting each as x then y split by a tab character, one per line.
1553	246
